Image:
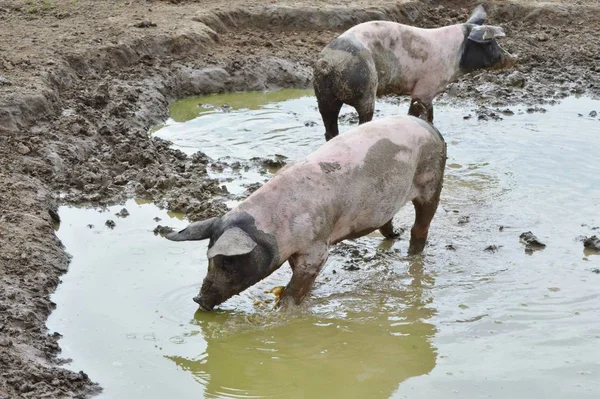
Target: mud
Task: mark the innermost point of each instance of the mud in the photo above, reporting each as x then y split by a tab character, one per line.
592	243
80	86
532	243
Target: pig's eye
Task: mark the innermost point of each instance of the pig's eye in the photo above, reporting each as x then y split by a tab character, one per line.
227	263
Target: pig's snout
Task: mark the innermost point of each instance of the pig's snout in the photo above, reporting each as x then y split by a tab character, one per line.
203	304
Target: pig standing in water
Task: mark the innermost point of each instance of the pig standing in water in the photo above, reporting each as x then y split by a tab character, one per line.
378	58
347	188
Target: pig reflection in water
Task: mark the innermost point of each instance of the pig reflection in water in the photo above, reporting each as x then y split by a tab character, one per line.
365	355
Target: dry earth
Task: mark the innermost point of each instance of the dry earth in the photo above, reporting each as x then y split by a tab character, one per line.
81	82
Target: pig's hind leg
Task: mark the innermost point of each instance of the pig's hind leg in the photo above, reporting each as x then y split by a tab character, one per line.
329	108
305	269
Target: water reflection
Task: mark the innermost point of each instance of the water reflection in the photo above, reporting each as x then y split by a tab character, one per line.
365	354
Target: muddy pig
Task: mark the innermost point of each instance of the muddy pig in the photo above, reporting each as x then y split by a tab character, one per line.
378	58
349	187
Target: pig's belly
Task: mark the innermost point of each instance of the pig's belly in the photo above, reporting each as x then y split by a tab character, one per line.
366	216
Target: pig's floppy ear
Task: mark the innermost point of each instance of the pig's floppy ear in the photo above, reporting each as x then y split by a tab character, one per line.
478	16
482	34
233	242
195	231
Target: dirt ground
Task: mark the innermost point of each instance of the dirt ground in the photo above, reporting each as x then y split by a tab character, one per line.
82	81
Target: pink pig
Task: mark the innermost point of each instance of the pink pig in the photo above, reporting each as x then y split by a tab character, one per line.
349	187
378	58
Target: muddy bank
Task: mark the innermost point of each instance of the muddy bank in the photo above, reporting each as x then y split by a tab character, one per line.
81	85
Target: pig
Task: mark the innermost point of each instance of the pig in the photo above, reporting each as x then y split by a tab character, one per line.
378	58
349	187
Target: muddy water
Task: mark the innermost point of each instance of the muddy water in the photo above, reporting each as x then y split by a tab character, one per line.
458	321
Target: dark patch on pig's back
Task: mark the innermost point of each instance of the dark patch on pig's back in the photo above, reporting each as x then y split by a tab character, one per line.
414	45
329	167
380	164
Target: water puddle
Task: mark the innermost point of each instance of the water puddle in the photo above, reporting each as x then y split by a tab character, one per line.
476	316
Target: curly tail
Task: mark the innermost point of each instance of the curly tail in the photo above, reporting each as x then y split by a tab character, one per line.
322	67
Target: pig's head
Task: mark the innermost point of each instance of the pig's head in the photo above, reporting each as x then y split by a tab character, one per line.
239	256
480	50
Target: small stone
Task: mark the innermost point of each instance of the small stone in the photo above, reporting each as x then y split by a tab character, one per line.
450	247
351	268
123	213
4	81
516	79
463	220
531	242
597	271
593	114
23	149
145	24
491	248
466	117
90	226
452	90
543	37
592	242
157	219
110	224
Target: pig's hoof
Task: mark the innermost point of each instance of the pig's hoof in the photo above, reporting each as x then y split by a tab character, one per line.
394	235
391	233
414	251
284	303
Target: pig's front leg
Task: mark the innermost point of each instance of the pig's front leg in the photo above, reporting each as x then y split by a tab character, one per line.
305	269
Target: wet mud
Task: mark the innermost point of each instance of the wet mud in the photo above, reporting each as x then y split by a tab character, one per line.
82	83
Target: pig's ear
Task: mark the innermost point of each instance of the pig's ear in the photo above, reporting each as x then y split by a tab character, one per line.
195	231
482	34
478	16
233	242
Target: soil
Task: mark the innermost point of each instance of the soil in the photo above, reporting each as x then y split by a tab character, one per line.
82	81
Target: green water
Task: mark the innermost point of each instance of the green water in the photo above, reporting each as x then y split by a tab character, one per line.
464	323
190	108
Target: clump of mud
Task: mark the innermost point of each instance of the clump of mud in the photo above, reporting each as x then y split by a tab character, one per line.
531	242
592	243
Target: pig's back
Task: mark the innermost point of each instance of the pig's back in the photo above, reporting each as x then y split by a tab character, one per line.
404	55
352	148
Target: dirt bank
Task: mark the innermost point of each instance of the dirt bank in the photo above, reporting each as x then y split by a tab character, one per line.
81	82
